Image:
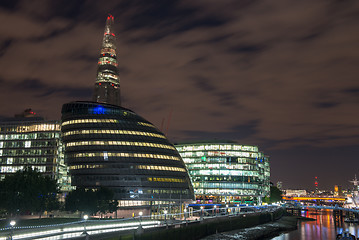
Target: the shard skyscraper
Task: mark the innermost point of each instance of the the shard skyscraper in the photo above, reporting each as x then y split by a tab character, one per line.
107	86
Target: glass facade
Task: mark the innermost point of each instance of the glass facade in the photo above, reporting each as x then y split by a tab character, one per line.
226	172
111	146
107	86
36	143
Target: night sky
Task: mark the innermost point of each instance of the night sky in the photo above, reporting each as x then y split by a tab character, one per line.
280	74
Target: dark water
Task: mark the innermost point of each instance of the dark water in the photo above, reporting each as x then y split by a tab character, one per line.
323	227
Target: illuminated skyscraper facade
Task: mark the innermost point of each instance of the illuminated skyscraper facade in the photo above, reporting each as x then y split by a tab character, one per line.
107	86
226	172
32	142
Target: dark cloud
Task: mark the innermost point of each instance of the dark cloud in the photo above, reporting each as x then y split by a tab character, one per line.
9	4
241	48
4	45
326	104
30	84
351	90
203	84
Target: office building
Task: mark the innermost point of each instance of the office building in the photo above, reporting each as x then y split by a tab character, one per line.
226	172
31	141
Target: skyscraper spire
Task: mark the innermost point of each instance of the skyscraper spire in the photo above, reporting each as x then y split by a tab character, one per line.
107	86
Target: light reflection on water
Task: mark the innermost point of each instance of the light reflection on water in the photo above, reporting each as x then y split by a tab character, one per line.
323	227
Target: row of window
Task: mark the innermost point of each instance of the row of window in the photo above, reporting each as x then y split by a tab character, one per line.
107	75
225	185
229	160
146	167
221	154
75	167
222	166
154	179
30	160
28	152
227	178
217	147
107	59
136	179
210	172
42	127
125	203
103	62
227	192
105	155
77	132
13	169
41	135
28	144
161	168
110	51
94	120
120	143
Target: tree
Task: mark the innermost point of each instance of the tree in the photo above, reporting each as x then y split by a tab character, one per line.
105	201
275	195
91	201
81	200
28	191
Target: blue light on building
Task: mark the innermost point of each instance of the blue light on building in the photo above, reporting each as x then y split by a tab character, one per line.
99	110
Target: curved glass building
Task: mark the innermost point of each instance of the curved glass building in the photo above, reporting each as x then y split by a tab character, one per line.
226	172
111	146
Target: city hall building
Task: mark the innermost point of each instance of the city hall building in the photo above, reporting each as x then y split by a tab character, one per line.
31	141
107	145
226	172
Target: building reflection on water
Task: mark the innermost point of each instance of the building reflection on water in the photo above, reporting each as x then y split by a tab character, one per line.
323	227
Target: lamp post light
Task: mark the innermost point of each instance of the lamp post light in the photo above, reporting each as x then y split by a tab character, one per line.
184	213
202	213
227	208
85	219
215	209
165	212
140	213
12	224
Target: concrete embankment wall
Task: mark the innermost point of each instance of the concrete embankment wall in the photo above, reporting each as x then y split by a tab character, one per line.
198	230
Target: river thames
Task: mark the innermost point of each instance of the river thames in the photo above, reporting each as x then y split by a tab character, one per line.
323	227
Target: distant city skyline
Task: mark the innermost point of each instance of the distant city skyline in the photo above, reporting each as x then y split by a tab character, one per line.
280	75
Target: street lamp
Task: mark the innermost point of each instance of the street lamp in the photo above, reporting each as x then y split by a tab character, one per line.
226	208
140	213
85	219
165	212
12	224
201	213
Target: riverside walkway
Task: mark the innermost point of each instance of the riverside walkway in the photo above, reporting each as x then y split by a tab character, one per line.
101	229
